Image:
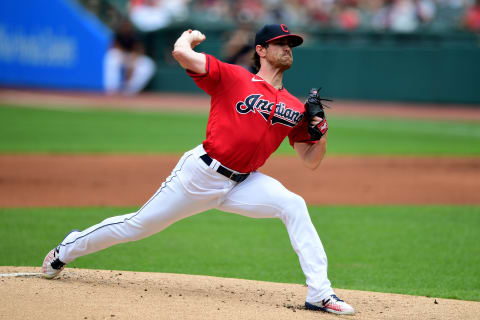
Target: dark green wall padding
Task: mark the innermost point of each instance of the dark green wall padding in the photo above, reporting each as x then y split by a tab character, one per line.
420	67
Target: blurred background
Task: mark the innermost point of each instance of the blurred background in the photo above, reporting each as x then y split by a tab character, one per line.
395	50
94	113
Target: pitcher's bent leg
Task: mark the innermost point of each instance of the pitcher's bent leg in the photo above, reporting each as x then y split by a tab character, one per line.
261	196
307	245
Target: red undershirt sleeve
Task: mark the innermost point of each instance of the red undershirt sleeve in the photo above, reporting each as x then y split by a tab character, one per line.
300	133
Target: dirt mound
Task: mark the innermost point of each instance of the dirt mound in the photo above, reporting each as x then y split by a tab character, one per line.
98	294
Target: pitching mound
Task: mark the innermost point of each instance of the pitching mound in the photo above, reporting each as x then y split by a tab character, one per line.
98	294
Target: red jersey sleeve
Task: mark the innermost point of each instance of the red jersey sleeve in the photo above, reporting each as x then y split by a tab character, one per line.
300	133
216	77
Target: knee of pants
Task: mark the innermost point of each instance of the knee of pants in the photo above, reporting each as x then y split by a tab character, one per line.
295	208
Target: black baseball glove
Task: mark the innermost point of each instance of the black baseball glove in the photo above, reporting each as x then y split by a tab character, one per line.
314	106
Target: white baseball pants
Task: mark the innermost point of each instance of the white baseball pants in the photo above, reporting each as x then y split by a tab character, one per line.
114	64
194	187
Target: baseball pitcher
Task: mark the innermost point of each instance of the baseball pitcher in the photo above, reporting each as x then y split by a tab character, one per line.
250	115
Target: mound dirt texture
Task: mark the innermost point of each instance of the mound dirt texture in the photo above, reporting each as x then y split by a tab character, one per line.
98	294
129	180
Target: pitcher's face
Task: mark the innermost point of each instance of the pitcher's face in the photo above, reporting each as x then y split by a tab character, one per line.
279	53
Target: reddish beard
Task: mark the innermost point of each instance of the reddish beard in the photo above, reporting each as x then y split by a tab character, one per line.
283	62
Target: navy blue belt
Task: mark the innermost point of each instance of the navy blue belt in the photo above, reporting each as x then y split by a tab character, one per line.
237	177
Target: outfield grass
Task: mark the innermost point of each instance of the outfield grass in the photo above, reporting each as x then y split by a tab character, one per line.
107	131
430	250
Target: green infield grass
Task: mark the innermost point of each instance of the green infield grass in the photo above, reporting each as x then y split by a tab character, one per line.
419	250
106	131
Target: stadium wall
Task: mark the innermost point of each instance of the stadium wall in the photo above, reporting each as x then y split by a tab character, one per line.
418	67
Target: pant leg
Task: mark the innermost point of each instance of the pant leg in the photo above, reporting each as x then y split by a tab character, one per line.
261	196
143	71
113	63
189	189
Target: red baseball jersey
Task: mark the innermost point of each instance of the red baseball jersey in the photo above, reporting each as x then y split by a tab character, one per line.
244	128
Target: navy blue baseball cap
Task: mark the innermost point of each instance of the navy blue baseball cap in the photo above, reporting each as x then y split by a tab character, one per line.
272	32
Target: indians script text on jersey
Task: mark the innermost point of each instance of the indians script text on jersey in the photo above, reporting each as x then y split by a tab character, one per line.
248	117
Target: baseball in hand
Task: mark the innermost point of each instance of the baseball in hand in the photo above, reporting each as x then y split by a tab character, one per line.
197	37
